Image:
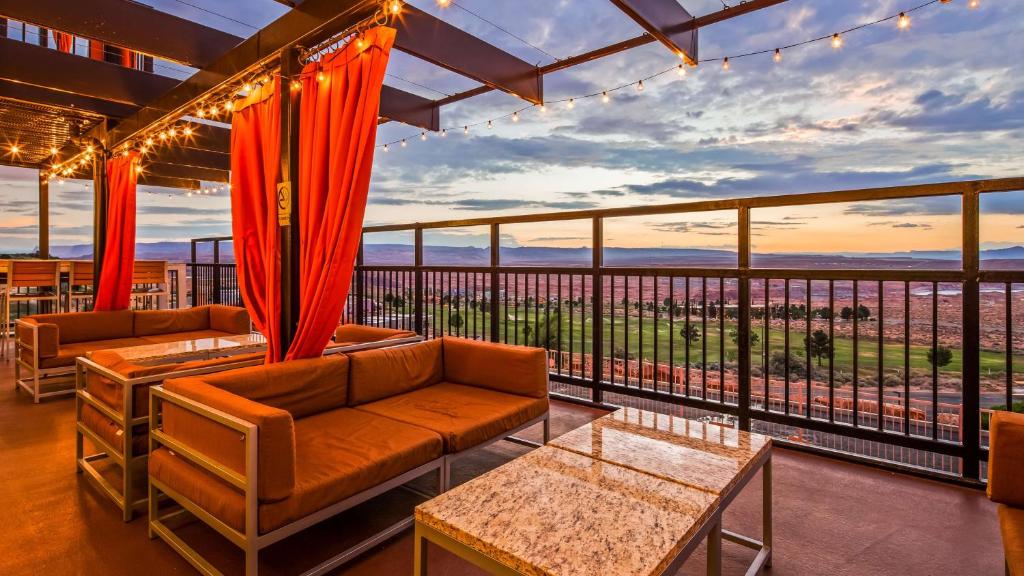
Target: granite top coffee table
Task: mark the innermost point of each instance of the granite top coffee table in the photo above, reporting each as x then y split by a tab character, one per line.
189	350
631	493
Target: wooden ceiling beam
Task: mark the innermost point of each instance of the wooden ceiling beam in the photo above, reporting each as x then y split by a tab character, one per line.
409	109
168	182
179	155
128	25
184	172
666	21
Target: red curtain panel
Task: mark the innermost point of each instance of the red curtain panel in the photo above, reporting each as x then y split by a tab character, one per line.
337	131
127	58
114	290
255	169
65	42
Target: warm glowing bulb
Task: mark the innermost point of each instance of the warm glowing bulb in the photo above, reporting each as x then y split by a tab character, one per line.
163	135
265	79
640	86
444	132
138	169
681	70
444	3
490	124
725	63
543	108
423	136
143	150
149	141
515	116
15	149
189	194
571	103
213	110
403	143
201	113
395	6
247	87
903	21
229	105
187	131
386	148
360	43
465	129
973	4
777	56
172	132
89	149
53	151
296	85
837	41
605	98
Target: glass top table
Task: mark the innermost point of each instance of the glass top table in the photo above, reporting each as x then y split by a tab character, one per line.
631	493
197	349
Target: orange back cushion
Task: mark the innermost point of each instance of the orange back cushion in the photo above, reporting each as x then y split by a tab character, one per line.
1006	458
276	449
386	372
301	387
150	322
513	369
359	334
90	326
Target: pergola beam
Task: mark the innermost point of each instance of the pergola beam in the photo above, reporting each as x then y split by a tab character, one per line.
189	157
438	42
168	182
185	172
23	63
664	20
311	22
54	97
128	25
409	109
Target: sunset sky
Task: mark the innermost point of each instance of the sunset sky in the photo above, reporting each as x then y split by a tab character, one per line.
943	100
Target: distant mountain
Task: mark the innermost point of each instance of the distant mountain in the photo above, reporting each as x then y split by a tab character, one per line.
403	254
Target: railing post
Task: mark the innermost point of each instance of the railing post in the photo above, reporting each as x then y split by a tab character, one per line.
194	298
972	337
418	272
495	292
360	284
216	272
597	291
743	340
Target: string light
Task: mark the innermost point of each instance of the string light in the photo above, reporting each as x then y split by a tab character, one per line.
386	148
296	85
444	133
187	131
973	4
543	108
903	21
490	124
53	151
229	106
681	70
465	129
423	136
777	57
640	86
605	98
444	3
725	63
15	150
837	41
403	143
395	6
571	103
515	116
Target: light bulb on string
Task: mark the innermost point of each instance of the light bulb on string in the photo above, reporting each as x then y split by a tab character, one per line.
149	141
320	77
605	98
777	57
903	21
490	124
395	6
465	129
515	116
229	105
725	63
837	41
187	131
423	136
15	150
640	86
973	4
213	110
53	151
571	103
247	87
404	143
543	108
444	132
201	113
444	3
681	70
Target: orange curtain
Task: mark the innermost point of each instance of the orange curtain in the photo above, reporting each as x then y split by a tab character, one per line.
127	58
255	169
114	290
337	131
65	41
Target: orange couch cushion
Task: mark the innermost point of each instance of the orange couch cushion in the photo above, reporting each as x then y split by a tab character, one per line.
150	322
301	387
1006	458
464	416
230	319
276	450
1011	527
359	334
111	432
89	326
385	372
48	345
343	452
68	352
339	453
502	367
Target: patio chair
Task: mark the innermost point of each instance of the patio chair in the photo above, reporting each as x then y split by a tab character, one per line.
32	280
1005	485
81	285
149	283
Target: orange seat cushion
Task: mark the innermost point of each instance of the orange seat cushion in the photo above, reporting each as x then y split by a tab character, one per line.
338	454
182	336
502	367
385	372
111	432
152	322
359	334
1011	527
464	416
1006	458
68	352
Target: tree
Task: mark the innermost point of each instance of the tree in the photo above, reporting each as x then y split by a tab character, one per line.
455	319
942	356
820	345
667	302
690	333
527	332
846	313
825	313
777	365
863	312
755	338
712	311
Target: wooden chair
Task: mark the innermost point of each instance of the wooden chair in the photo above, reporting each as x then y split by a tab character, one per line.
32	280
149	283
81	284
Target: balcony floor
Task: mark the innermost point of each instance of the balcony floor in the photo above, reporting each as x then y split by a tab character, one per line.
831	517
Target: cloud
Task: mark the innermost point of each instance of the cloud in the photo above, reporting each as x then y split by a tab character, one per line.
486	204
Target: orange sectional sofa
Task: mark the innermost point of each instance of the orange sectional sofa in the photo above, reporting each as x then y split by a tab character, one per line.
113	406
1006	483
264	452
48	344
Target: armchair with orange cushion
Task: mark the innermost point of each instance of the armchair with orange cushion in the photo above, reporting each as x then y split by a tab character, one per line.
47	344
351	337
261	453
1006	483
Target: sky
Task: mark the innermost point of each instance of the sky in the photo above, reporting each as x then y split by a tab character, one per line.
940	101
